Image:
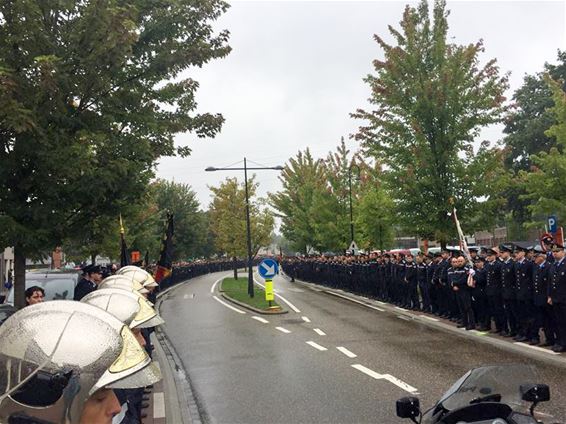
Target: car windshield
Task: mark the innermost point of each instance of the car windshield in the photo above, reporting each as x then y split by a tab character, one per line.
58	287
504	380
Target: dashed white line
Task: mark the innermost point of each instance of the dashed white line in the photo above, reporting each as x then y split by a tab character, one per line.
293	307
306	319
394	380
429	318
316	346
283	330
381	303
158	405
228	306
403	318
346	352
540	349
319	332
260	319
401	309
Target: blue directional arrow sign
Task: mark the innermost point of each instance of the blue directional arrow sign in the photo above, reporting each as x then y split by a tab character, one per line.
268	268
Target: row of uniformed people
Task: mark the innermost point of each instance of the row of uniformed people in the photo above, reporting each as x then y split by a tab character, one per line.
513	297
70	362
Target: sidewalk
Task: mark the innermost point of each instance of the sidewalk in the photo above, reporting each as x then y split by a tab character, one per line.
535	352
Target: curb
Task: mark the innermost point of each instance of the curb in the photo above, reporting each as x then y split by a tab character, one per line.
281	311
177	386
427	319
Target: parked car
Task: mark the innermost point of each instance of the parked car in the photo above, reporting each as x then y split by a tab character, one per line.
58	285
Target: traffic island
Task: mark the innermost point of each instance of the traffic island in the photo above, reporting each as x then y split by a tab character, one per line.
236	291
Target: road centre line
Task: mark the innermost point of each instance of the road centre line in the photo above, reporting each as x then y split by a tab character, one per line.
394	380
260	319
316	346
228	306
306	319
540	349
283	330
346	352
293	307
319	332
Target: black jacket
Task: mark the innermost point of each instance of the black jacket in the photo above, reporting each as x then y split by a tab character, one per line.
493	278
508	280
524	280
83	288
541	275
557	282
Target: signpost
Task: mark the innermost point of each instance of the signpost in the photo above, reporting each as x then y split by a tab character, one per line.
552	224
268	268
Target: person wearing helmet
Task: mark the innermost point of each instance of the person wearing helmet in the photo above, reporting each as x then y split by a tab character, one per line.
135	311
47	377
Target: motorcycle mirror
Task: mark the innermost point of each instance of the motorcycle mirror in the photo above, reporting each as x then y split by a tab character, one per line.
535	392
408	407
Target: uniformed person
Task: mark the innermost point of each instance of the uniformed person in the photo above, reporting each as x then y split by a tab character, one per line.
524	296
557	295
480	304
493	291
92	276
542	311
508	294
458	278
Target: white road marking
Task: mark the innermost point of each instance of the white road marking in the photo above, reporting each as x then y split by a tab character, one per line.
429	318
399	383
316	346
215	283
403	318
306	319
158	405
228	306
356	301
293	307
319	332
381	303
540	349
376	308
186	296
401	309
346	352
260	319
283	330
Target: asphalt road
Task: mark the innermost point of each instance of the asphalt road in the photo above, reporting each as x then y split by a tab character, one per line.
288	368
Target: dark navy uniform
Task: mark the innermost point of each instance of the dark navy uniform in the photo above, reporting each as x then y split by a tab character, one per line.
524	308
542	311
509	297
458	282
557	294
480	306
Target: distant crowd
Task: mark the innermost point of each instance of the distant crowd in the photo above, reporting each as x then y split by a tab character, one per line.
514	290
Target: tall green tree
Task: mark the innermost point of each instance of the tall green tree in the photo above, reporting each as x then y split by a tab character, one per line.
544	185
529	117
228	218
301	179
91	95
430	98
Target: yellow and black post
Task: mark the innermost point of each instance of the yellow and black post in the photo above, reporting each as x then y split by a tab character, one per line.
269	291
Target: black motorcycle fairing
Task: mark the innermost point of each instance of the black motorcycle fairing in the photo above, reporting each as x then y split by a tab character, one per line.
478	412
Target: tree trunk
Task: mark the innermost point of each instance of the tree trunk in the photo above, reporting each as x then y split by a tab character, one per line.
19	277
234	262
93	258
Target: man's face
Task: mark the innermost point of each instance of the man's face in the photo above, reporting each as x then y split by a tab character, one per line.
36	297
96	277
539	259
479	264
519	255
558	254
505	255
453	262
409	258
445	255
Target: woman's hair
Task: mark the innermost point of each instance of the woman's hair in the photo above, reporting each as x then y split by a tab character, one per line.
30	291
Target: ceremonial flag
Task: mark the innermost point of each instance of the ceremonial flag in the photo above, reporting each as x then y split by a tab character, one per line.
165	263
124	255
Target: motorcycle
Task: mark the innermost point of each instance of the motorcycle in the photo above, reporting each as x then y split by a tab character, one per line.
496	394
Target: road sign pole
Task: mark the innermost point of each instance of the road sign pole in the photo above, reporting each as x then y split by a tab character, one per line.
249	235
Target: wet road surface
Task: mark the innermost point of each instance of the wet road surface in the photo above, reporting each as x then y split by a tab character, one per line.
328	360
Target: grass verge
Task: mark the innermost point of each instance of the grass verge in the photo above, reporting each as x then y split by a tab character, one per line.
238	289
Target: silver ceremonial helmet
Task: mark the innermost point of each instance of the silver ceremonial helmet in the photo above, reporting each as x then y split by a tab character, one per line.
123	282
137	274
129	307
54	355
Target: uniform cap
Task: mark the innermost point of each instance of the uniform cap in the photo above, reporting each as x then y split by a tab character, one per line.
489	251
505	248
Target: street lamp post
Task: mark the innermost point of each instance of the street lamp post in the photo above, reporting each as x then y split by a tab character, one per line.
350	194
248	226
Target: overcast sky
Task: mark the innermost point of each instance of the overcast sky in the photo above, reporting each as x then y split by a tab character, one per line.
296	70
